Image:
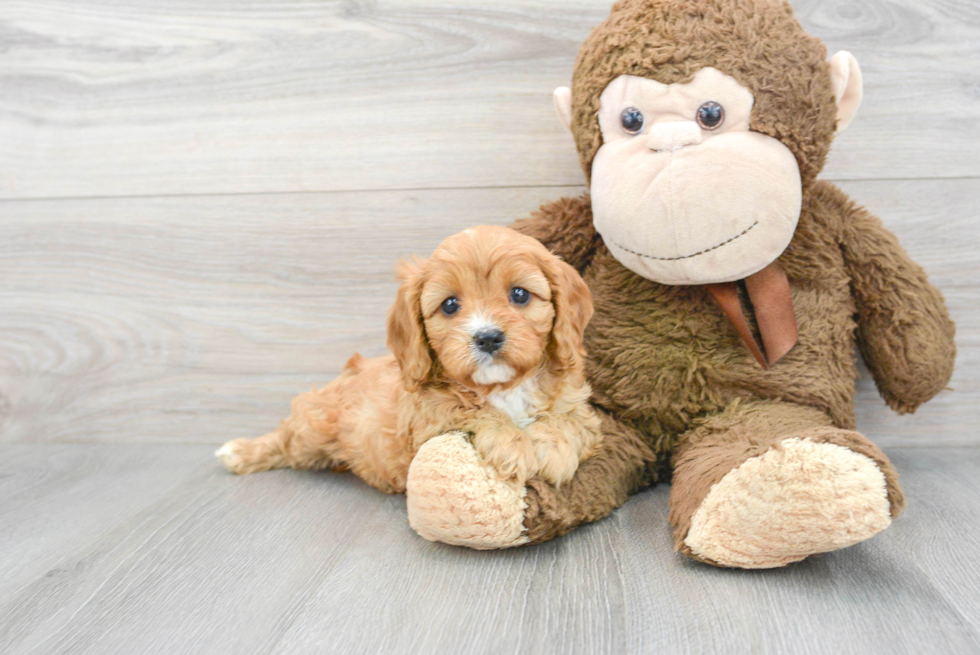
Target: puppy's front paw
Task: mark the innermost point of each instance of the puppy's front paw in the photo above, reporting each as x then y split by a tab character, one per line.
242	456
557	460
509	453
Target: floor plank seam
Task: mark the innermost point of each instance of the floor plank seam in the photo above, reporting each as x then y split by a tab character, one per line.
306	192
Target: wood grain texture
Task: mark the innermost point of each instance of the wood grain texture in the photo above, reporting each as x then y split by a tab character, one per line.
870	598
106	98
211	566
938	528
155	548
57	502
237	180
197	319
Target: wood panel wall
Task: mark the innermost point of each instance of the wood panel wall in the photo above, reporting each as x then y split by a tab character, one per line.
201	202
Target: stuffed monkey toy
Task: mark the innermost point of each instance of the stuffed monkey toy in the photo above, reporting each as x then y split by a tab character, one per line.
730	288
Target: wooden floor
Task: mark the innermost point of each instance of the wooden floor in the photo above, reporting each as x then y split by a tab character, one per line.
149	548
201	202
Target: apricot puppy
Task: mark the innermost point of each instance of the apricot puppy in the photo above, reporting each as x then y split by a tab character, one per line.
486	337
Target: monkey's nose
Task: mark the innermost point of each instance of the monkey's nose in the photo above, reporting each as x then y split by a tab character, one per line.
489	341
671	135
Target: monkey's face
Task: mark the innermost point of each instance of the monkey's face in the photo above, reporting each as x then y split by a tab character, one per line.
682	191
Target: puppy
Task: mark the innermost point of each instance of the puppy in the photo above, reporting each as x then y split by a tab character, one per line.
486	337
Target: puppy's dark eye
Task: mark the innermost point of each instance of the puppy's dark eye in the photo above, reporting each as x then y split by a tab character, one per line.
632	120
450	305
710	115
519	296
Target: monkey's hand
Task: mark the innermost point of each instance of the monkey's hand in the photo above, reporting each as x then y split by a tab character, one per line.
904	330
565	228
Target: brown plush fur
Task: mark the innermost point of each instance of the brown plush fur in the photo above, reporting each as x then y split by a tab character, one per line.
670	375
374	417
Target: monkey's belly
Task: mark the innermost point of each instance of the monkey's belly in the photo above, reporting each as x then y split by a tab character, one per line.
663	356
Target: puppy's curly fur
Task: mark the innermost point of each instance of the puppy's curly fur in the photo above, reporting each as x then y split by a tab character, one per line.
524	403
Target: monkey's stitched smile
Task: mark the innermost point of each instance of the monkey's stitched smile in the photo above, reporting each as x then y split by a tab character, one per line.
700	252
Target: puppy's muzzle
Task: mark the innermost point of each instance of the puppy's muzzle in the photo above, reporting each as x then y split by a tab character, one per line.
489	341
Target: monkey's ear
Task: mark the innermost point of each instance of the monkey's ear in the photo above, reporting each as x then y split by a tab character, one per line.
845	79
563	105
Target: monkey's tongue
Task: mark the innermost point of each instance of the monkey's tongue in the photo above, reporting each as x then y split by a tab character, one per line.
770	297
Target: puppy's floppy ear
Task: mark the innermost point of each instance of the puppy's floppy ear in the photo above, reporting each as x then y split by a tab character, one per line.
406	333
573	309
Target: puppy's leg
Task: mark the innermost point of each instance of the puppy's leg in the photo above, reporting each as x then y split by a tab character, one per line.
562	441
305	440
243	456
557	459
505	448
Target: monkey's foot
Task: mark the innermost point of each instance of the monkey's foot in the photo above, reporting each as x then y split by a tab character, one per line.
455	498
796	499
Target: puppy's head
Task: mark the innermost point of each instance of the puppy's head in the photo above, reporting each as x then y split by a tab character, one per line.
486	308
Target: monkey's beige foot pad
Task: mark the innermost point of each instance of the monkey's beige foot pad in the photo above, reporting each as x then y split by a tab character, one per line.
794	500
455	498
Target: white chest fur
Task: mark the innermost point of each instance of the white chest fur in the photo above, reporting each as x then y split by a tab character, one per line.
517	402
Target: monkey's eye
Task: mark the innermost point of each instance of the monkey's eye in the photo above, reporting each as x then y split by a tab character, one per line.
450	305
711	115
632	120
519	296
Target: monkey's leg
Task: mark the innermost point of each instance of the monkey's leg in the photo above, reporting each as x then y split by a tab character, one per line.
455	499
601	484
767	483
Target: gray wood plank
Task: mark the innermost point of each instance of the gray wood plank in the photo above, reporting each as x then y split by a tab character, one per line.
404	595
870	598
58	496
196	319
104	97
218	565
64	509
295	562
940	529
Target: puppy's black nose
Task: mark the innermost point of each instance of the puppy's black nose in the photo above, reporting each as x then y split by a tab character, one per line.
489	341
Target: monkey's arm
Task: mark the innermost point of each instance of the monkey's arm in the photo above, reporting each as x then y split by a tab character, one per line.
565	228
455	498
904	330
602	483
